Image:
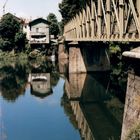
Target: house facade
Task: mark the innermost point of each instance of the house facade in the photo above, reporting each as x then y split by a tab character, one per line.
38	31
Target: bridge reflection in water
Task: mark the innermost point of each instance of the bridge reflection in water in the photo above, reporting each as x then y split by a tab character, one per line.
95	110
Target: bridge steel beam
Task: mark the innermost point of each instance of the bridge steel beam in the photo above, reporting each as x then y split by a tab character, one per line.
106	20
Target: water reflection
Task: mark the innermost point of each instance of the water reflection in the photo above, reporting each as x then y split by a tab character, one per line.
13	81
14	78
97	113
87	101
40	84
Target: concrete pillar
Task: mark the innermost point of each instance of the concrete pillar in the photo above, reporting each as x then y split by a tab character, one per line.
86	57
76	61
132	106
131	118
63	66
62	54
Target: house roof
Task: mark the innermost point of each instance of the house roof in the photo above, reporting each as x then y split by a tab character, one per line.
38	20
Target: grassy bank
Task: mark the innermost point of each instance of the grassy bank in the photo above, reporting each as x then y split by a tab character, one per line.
12	56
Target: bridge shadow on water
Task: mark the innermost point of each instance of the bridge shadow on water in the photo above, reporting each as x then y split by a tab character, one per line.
97	112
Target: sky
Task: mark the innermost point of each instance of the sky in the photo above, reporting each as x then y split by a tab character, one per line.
31	9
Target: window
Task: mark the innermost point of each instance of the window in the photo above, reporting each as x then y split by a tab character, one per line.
37	30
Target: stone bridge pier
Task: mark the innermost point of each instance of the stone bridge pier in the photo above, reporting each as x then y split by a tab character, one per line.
131	118
88	57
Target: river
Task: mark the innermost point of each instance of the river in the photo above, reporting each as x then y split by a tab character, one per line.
40	100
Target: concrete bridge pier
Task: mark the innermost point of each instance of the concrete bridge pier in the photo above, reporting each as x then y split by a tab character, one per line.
131	118
88	57
76	61
62	52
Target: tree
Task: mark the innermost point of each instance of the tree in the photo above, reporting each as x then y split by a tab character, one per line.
9	26
20	41
54	26
52	18
11	34
5	45
69	8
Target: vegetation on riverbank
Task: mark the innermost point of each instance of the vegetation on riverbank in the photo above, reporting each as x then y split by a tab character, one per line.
11	56
118	75
134	133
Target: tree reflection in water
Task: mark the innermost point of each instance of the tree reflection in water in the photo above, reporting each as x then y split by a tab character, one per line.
45	67
13	81
14	76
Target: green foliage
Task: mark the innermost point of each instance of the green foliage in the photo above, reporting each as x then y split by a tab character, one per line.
61	27
118	68
9	26
5	45
20	41
134	133
114	49
54	26
52	18
69	8
11	35
54	29
34	54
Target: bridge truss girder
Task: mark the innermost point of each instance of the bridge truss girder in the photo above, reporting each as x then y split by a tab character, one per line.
106	20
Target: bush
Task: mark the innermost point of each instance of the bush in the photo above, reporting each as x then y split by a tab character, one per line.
6	45
134	133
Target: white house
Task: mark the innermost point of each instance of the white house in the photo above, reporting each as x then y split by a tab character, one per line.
38	31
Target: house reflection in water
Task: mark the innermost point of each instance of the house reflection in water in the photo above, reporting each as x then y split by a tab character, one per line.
40	84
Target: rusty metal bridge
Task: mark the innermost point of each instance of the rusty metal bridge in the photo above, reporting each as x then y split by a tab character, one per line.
106	20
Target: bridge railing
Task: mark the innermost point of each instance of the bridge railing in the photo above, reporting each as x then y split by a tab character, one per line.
106	20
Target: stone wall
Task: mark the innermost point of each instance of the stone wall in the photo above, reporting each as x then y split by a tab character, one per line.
132	105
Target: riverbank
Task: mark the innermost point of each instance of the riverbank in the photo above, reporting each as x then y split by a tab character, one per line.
12	56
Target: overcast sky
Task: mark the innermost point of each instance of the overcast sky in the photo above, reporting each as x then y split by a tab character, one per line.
31	8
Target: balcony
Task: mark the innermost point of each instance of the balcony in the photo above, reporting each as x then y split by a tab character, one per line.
37	33
39	41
